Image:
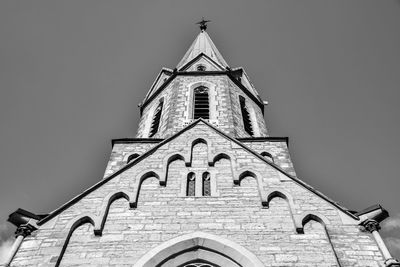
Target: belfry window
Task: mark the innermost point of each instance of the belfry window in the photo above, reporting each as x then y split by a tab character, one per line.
191	185
156	119
206	184
201	103
246	116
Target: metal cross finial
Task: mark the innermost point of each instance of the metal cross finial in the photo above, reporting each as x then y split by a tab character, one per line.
203	24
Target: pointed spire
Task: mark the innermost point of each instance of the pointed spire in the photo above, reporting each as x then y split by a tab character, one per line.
203	44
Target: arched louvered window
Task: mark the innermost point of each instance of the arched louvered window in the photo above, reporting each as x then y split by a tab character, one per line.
246	116
191	185
201	103
156	119
132	157
206	184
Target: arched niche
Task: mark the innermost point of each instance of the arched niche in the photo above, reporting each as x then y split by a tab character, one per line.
85	224
138	184
166	162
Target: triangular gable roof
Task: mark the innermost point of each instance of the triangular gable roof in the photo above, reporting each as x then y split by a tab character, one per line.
163	70
155	148
198	57
202	44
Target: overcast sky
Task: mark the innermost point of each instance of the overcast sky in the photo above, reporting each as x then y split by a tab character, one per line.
73	72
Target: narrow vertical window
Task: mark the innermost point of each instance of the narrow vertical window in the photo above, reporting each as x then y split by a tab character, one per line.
201	103
191	185
246	116
206	184
156	119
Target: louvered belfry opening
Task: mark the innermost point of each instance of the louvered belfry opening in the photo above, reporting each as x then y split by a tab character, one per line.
246	116
201	103
156	119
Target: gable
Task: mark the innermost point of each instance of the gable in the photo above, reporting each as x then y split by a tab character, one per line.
203	60
179	146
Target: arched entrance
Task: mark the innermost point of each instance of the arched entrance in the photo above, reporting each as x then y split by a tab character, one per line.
199	250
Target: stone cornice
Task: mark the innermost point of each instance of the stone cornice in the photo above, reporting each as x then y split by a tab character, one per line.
135	140
265	139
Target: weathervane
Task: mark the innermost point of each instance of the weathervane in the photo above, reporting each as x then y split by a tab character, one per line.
203	24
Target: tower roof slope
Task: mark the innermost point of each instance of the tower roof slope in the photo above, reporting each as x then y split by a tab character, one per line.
202	44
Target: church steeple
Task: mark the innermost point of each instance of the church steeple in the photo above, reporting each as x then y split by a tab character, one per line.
202	45
202	86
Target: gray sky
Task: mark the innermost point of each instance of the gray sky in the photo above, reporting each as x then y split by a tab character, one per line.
73	72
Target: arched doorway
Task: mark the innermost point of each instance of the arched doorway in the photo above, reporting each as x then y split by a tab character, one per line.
199	250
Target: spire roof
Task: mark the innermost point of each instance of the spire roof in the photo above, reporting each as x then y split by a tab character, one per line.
202	45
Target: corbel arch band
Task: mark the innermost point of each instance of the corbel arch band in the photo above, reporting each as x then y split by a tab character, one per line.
257	176
194	141
142	176
167	161
105	207
303	218
72	226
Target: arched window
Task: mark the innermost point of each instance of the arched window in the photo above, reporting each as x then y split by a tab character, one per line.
206	184
246	116
156	119
132	157
191	185
201	103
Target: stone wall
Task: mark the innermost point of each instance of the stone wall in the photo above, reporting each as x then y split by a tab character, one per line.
224	107
253	204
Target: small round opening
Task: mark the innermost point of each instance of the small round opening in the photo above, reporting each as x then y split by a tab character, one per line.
201	67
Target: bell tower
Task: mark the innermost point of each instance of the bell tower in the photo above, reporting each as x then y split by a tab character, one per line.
202	86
